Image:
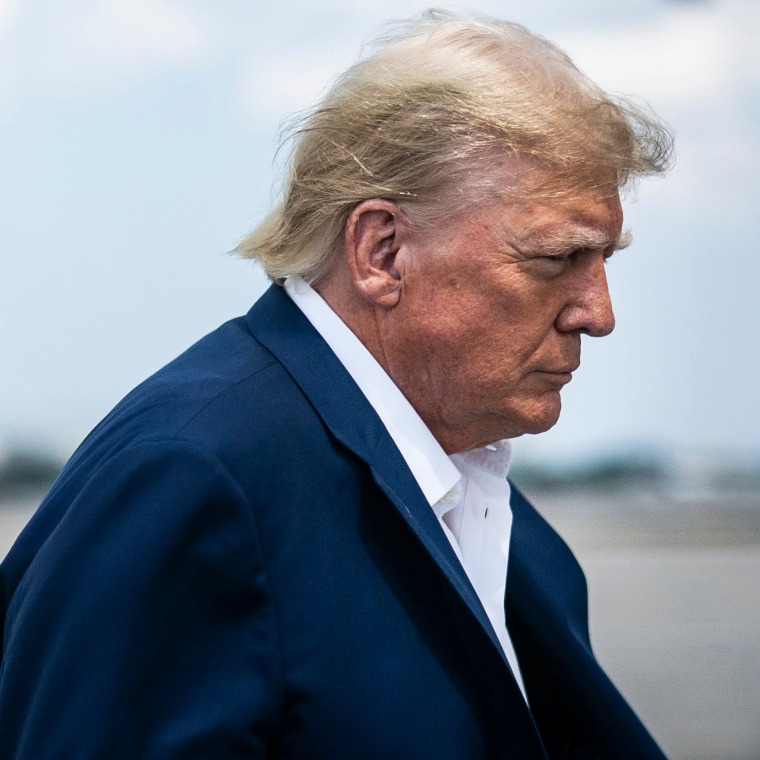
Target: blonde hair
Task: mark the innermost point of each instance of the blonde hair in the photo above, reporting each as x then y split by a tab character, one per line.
423	119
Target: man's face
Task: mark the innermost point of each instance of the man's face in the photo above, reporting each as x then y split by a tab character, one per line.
493	306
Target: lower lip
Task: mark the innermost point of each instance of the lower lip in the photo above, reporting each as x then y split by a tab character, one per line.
560	377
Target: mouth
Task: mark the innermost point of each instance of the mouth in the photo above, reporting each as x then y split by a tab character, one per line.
561	375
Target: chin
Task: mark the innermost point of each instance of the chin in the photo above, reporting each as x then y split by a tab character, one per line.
538	427
542	418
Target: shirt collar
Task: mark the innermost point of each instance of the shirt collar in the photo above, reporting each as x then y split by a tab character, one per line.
493	459
434	472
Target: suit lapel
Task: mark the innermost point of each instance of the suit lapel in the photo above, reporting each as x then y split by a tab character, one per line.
545	585
280	326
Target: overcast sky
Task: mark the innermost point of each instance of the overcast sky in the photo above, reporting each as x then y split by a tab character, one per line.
136	145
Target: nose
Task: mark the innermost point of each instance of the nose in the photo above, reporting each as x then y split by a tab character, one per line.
589	308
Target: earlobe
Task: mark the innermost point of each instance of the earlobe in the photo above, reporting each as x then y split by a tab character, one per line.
375	231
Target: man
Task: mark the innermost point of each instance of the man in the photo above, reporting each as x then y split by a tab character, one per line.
297	540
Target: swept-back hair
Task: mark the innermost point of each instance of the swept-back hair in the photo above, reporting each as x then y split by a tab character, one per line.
425	116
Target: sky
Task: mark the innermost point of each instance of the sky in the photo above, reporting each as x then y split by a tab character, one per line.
136	149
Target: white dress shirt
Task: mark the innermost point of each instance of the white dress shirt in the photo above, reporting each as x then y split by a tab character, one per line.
468	492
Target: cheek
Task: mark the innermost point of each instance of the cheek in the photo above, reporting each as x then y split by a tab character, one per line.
492	368
513	345
486	319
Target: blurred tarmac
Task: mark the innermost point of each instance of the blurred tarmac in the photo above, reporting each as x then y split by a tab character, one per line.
674	597
674	603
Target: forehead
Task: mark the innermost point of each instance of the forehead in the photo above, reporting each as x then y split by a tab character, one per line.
532	202
591	219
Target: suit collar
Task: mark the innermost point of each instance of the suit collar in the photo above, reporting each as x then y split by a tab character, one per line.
428	462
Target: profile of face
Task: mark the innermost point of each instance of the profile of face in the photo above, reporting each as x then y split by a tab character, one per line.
484	329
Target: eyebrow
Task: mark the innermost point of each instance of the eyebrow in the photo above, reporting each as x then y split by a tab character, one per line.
595	240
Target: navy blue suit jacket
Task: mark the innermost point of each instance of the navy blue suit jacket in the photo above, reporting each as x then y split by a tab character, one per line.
237	563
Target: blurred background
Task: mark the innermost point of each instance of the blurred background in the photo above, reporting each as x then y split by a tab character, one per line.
136	148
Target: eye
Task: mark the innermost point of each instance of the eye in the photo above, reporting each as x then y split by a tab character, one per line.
555	262
558	262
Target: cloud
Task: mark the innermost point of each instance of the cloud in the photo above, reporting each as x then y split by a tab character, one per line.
687	55
272	88
7	10
86	47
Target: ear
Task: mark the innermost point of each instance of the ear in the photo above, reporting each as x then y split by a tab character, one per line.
375	232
